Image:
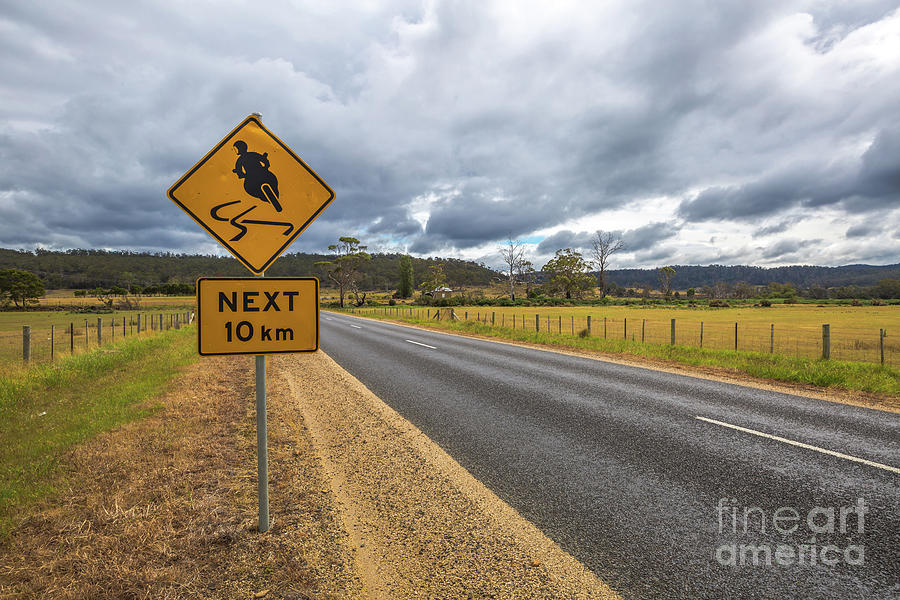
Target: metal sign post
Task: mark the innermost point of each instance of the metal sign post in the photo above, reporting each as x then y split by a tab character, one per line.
262	442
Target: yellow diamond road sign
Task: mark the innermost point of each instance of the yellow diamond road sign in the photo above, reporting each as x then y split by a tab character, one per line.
253	194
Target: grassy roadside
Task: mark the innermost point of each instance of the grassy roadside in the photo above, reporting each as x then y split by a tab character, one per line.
47	409
852	376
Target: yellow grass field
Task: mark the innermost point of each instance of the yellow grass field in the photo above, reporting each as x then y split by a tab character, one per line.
57	324
64	298
797	327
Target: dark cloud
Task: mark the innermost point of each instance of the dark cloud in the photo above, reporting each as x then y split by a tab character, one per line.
787	249
863	230
648	236
565	239
782	225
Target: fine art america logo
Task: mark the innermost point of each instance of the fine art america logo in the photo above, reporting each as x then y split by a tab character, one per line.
825	533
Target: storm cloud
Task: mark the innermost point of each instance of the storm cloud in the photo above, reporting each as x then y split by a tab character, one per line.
446	127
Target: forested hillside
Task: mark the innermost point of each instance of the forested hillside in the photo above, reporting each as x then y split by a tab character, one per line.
88	269
687	276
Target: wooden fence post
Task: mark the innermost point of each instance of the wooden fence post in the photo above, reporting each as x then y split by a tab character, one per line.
493	317
826	341
52	342
71	338
87	342
625	327
735	335
881	334
559	326
673	332
537	323
701	334
26	343
573	324
643	328
772	339
99	331
589	325
604	328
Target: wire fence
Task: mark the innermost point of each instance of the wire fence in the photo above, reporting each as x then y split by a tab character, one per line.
48	342
839	341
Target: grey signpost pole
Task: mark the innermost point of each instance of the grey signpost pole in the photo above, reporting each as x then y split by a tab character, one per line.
262	450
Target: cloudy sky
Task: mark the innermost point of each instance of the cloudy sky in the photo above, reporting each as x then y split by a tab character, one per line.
746	132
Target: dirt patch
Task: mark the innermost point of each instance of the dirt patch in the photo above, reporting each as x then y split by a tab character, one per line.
166	508
421	525
855	398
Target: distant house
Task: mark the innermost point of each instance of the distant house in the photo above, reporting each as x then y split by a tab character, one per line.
441	292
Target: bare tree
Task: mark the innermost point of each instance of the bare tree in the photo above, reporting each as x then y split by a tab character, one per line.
603	246
513	254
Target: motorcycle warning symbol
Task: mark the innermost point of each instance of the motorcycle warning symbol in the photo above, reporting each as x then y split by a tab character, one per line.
252	194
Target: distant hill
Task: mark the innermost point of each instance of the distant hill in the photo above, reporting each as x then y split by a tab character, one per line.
687	276
88	269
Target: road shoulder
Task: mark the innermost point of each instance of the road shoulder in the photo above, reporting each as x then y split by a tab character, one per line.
420	524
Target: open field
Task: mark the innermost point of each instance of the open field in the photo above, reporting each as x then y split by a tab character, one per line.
67	298
73	333
791	330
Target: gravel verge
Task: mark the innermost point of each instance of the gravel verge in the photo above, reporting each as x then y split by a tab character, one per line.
418	524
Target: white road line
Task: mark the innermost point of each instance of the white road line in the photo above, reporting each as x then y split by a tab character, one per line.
421	344
802	445
356	326
329	319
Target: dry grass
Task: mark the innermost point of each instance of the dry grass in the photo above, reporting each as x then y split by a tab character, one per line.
166	508
797	328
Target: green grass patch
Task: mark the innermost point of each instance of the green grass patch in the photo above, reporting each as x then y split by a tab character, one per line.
854	376
47	409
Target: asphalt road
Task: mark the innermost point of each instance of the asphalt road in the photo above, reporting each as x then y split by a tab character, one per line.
618	465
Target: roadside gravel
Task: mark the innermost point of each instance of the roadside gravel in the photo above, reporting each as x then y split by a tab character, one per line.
418	524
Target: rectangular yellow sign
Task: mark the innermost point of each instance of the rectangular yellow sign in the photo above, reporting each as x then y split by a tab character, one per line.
257	315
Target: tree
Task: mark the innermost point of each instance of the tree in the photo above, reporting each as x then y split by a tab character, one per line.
527	275
21	287
568	273
513	254
743	290
887	288
603	246
343	269
405	289
434	280
665	275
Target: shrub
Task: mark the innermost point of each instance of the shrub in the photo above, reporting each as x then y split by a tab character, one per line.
584	333
765	303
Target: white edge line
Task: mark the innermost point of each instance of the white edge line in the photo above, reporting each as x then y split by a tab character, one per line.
421	344
356	326
802	445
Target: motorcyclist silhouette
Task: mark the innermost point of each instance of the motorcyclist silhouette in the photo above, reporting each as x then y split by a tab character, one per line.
253	168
